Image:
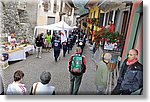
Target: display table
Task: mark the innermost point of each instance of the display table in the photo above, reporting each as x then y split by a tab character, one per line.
19	54
16	55
29	48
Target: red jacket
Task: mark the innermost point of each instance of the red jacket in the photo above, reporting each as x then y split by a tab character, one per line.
111	28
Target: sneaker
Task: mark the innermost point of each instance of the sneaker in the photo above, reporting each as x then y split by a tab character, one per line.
40	57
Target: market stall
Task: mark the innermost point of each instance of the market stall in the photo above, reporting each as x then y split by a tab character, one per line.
56	26
19	53
16	54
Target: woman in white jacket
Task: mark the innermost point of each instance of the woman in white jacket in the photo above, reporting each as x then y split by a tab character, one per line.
17	88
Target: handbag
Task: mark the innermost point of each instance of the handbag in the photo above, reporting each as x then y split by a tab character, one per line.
34	92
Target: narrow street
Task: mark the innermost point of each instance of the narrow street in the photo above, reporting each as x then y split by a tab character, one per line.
109	26
32	67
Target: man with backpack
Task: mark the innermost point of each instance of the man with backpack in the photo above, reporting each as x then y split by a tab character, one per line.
77	66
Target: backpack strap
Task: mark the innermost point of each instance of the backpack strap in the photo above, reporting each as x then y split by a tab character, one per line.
35	88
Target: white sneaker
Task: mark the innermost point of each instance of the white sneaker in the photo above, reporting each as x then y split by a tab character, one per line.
40	57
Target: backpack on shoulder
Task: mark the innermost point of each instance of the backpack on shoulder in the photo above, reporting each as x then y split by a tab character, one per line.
76	64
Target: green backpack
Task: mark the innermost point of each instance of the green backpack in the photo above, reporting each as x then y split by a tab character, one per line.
76	64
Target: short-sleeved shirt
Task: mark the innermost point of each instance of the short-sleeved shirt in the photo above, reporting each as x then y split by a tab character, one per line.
42	89
48	38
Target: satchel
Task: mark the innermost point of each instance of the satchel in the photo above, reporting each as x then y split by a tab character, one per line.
34	90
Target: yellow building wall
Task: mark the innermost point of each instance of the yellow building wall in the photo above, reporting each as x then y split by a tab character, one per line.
91	15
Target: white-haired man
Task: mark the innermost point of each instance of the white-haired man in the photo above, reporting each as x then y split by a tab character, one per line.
102	74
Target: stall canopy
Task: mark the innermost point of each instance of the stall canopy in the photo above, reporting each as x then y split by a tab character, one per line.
62	25
56	26
74	27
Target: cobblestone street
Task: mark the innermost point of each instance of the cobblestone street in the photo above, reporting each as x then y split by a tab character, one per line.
33	67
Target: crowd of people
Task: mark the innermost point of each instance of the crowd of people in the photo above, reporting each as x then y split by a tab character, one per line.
49	41
77	66
130	77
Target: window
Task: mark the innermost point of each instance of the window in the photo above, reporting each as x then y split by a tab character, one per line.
45	4
101	19
110	15
50	20
49	5
55	6
106	23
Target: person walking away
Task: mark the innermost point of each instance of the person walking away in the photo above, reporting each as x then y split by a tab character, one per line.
57	46
80	44
69	44
17	88
43	87
39	44
43	39
102	74
130	76
76	66
65	47
48	39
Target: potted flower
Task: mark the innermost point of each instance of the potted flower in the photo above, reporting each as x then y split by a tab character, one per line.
93	20
84	24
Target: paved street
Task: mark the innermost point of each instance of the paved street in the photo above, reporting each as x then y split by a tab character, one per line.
33	67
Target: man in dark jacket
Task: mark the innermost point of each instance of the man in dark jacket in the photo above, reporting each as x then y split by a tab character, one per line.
131	75
65	47
39	44
57	46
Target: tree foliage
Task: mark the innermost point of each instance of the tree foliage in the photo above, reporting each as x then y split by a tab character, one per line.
16	20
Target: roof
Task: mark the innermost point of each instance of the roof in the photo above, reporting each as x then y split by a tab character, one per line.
91	3
71	3
84	15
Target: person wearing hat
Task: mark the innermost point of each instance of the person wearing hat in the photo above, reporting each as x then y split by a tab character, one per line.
43	87
102	74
